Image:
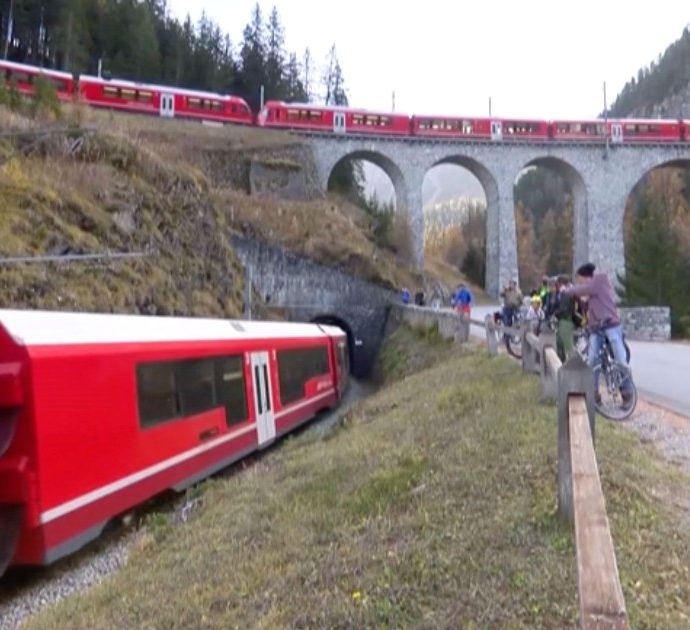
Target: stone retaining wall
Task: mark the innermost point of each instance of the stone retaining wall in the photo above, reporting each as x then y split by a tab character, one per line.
450	326
647	323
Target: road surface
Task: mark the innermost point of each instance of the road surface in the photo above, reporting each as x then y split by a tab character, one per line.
661	370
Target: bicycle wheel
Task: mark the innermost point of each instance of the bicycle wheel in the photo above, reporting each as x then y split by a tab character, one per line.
610	401
513	345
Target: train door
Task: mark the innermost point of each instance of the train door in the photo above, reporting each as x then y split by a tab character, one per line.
616	133
496	130
339	122
263	405
167	105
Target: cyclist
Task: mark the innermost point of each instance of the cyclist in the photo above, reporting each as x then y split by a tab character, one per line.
512	298
603	320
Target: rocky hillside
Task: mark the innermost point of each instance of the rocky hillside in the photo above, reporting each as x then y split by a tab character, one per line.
172	193
661	90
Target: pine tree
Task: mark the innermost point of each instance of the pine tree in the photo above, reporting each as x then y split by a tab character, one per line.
657	269
334	83
253	60
275	58
307	69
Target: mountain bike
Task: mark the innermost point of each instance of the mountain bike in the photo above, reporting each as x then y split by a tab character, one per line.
609	399
513	342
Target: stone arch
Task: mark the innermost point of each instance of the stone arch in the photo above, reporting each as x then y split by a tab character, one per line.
490	186
385	163
578	189
335	320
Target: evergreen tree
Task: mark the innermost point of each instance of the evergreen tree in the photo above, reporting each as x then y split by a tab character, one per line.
657	269
275	58
307	69
253	60
334	83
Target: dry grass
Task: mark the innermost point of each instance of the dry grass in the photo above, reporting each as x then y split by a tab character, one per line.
432	505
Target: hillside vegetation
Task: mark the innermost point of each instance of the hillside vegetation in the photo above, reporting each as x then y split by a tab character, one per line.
430	505
173	192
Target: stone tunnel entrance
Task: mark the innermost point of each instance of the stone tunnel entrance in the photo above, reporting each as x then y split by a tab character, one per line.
333	320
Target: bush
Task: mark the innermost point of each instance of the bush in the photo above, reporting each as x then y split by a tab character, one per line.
45	99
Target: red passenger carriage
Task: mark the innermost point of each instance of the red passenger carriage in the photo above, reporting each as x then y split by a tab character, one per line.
312	117
23	78
101	412
168	102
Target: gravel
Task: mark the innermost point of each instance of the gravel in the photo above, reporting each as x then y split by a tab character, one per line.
62	581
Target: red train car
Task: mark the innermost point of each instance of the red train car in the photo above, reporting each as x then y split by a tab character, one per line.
519	129
583	130
23	78
451	127
339	120
101	412
168	102
648	130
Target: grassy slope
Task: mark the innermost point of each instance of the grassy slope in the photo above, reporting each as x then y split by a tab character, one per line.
431	505
161	168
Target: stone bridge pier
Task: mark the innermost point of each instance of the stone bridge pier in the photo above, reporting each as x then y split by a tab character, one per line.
600	179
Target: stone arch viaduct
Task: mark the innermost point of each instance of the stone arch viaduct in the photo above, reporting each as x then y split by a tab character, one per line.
600	178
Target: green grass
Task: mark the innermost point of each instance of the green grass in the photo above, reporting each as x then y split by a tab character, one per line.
431	505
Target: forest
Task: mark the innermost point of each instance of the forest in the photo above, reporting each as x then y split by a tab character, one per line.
139	40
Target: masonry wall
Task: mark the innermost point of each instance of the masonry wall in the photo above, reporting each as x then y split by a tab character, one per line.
647	323
307	290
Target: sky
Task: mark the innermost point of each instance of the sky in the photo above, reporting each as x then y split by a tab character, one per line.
533	58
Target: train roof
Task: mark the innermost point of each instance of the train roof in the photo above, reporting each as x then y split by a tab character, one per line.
35	70
40	328
164	88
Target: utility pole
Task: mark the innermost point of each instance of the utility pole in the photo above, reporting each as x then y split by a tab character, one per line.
489	107
248	292
606	123
393	106
10	28
262	97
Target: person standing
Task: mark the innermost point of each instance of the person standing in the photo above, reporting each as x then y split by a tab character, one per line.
564	312
462	301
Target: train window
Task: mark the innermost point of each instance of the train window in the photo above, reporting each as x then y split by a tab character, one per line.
194	102
372	121
110	92
128	94
216	106
230	388
175	389
296	367
195	386
156	393
357	119
293	114
315	115
144	97
385	121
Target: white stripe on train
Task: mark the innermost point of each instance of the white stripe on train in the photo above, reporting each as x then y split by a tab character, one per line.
111	488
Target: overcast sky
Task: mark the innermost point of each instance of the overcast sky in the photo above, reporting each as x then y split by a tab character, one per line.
534	58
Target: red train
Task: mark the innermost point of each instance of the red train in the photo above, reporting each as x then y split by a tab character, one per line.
310	117
98	413
171	102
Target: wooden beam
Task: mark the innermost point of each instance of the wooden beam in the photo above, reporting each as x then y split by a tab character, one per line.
601	597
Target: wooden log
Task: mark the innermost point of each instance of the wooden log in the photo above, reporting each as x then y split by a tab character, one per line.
601	598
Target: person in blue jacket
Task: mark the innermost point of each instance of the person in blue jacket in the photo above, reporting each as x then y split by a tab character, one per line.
462	300
405	295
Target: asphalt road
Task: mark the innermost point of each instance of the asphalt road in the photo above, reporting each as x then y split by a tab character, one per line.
661	371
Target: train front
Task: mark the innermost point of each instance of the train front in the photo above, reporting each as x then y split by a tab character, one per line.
16	485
